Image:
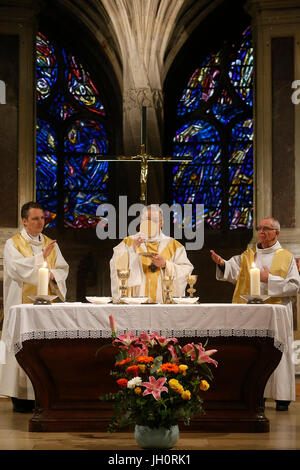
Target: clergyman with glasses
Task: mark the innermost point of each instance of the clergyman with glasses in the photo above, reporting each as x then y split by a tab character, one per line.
279	278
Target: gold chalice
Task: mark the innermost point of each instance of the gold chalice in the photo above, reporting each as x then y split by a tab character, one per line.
191	280
168	286
123	275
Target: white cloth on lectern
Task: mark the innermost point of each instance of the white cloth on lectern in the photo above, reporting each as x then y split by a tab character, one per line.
281	384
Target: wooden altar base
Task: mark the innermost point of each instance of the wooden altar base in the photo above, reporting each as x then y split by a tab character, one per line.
68	377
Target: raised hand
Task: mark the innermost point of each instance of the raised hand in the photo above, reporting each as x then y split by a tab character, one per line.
48	249
217	258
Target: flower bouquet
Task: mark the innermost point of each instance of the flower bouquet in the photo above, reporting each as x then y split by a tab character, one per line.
159	381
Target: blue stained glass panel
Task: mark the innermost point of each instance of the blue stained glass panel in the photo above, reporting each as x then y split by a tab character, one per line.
46	67
81	86
204	153
197	131
224	109
60	108
84	180
201	85
46	160
48	200
86	136
85	173
230	144
80	208
242	131
241	69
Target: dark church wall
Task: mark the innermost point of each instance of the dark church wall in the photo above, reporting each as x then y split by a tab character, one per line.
9	59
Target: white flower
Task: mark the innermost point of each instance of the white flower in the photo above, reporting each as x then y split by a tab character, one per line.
134	382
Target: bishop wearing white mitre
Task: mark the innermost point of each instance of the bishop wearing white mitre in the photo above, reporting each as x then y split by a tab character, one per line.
24	254
165	257
280	279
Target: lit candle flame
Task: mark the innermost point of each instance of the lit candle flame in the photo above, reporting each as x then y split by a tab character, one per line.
253	265
45	264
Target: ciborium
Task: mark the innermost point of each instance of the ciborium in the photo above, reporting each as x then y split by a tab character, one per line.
123	275
191	280
168	287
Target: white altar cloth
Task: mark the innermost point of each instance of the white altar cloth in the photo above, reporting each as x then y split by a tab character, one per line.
81	320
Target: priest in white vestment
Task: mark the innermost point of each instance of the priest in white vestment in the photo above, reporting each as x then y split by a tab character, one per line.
279	278
24	254
165	257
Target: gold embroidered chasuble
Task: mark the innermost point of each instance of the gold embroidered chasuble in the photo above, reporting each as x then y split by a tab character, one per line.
23	246
279	267
152	278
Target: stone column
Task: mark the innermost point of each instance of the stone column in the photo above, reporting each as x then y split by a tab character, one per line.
143	30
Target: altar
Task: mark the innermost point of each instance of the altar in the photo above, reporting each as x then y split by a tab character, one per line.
57	347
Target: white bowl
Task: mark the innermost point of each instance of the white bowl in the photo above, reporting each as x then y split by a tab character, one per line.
185	300
99	300
134	300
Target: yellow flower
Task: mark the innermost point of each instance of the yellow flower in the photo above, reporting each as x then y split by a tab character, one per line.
204	385
173	383
179	389
138	390
186	395
176	386
183	368
142	367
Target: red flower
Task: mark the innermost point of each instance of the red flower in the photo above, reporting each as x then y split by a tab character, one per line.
122	382
169	367
124	361
145	359
132	370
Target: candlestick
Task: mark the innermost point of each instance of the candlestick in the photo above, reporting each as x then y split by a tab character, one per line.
254	280
43	280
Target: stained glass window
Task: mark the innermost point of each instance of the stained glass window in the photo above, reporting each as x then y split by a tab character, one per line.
71	180
215	128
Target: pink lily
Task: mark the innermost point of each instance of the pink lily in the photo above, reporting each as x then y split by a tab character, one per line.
203	356
155	387
135	352
173	353
146	338
126	339
163	341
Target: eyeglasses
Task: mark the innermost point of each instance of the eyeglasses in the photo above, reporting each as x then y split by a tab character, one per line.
264	228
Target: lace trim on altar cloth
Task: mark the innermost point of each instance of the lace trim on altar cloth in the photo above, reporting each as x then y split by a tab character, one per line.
97	334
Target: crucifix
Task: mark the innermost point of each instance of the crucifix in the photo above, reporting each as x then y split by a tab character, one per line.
144	158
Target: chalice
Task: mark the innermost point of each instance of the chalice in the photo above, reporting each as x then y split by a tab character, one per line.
123	275
168	285
191	280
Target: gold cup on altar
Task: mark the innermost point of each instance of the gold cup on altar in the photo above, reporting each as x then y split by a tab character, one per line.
123	275
168	287
191	280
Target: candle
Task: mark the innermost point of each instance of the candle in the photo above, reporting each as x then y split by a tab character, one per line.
254	280
43	280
